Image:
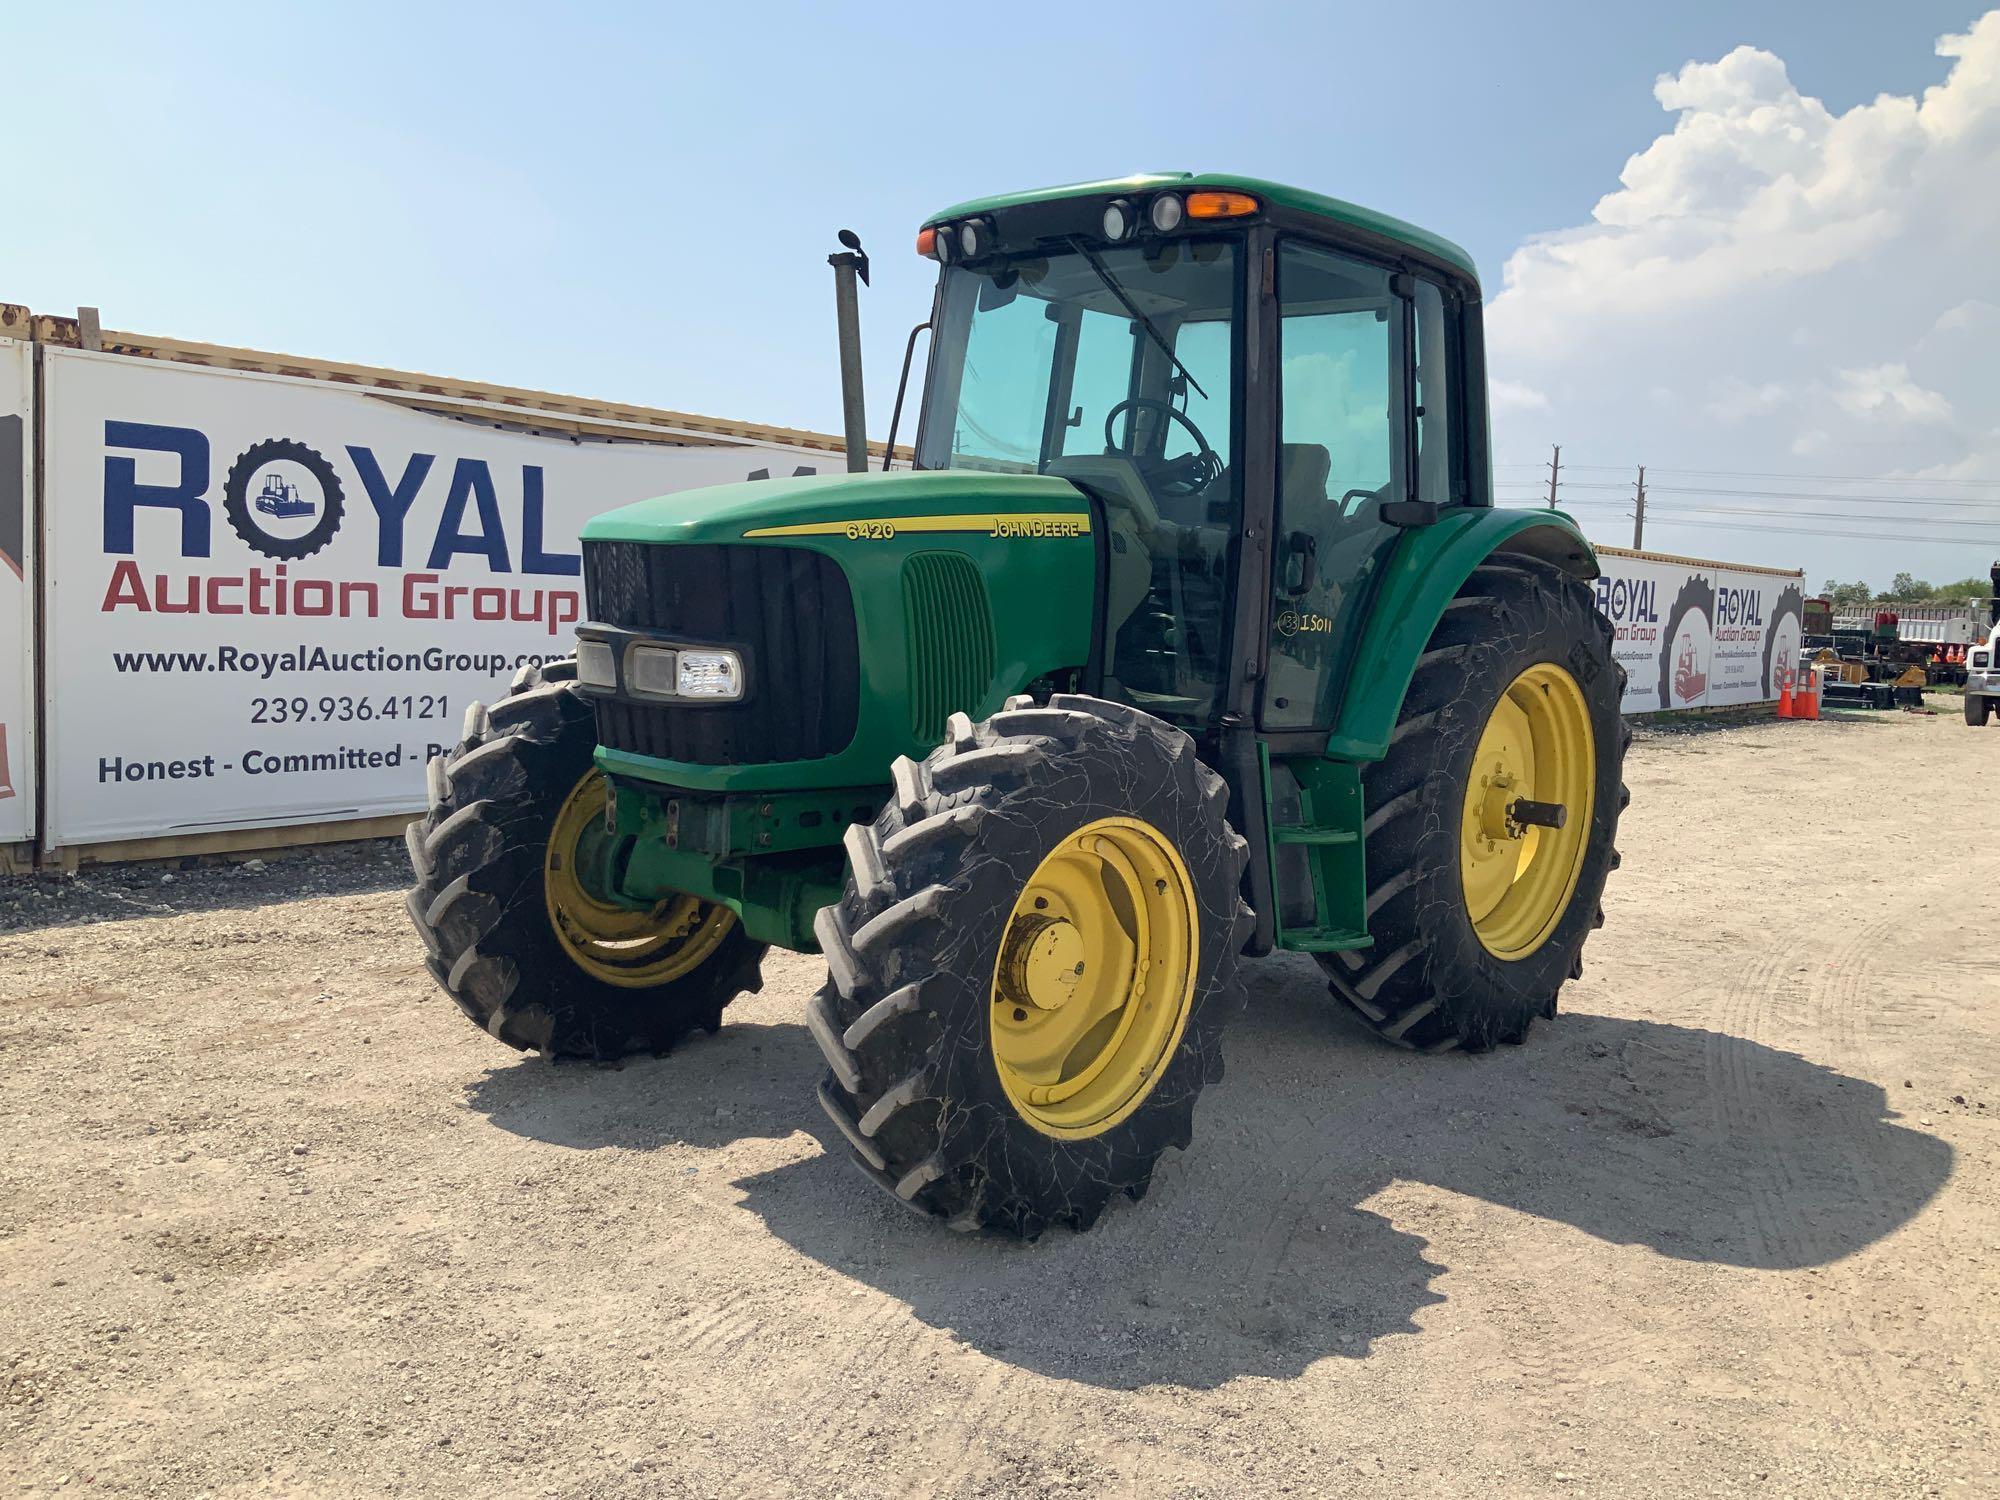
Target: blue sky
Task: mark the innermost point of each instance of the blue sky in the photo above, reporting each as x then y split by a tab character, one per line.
637	204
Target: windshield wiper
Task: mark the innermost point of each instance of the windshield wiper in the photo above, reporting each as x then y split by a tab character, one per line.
1111	285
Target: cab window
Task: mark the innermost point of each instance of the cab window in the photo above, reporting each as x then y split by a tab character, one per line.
1113	368
1440	467
1342	456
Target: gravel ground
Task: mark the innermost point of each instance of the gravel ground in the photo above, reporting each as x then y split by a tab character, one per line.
275	1220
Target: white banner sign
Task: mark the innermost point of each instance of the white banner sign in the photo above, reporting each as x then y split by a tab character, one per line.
17	592
1697	634
271	599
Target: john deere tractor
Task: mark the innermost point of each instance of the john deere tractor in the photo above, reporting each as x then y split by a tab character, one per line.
1191	634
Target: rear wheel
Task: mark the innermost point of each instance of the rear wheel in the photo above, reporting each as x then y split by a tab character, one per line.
1490	823
1029	973
508	904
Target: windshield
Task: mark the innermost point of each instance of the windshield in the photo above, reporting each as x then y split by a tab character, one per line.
1114	368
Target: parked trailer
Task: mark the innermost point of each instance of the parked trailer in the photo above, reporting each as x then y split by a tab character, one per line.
1693	633
1925	624
1929	640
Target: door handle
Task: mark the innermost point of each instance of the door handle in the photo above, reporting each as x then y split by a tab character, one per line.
1305	546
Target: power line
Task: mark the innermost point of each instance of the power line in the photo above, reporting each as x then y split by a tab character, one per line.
1673	508
1764	474
1865	536
1833	478
1672	489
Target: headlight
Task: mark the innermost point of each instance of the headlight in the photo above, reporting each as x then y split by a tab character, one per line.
716	675
946	245
1167	212
597	665
974	239
649	671
1118	220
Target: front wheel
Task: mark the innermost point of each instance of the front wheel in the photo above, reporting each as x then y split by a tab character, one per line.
1029	973
507	904
1977	709
1489	824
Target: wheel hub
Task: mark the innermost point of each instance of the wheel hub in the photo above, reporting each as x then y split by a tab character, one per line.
614	943
1494	822
1527	811
1046	962
1095	978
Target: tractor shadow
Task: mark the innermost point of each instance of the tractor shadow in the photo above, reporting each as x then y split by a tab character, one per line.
743	1082
1252	1255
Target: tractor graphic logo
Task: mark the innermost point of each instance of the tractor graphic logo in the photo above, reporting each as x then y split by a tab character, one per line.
1686	645
297	506
1689	679
1782	638
281	499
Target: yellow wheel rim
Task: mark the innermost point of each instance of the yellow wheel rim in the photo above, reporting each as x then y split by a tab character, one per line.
1095	978
1537	747
632	949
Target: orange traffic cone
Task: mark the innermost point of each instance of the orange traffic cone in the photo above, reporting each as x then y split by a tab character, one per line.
1808	707
1785	701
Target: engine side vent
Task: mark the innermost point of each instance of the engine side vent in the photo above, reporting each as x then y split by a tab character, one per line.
950	633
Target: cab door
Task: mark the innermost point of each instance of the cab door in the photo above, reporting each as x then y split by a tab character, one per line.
1367	362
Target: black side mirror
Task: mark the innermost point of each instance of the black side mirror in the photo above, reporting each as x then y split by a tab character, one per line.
1410	513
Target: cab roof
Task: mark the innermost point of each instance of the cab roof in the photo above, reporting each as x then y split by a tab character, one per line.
1339	211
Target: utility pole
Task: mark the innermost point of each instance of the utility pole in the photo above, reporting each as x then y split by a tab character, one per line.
1555	474
1639	514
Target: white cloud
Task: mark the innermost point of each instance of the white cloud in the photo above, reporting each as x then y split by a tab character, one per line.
1770	280
1511	395
1886	393
1967	315
1737	400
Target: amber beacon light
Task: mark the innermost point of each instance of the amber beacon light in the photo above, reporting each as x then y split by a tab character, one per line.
1215	205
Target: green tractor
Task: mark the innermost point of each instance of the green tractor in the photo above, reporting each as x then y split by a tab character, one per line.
1192	634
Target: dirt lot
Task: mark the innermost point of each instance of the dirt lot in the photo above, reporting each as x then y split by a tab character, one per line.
274	1219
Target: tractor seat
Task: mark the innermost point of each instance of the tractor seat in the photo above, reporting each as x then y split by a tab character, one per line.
1303	470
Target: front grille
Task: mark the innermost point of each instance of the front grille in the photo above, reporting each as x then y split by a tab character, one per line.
786	608
950	635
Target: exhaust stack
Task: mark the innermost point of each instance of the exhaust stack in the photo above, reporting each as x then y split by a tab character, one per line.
848	266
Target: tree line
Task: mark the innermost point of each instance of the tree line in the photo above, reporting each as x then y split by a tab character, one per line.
1906	588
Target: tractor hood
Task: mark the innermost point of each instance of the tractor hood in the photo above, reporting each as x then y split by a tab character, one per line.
818	509
867	608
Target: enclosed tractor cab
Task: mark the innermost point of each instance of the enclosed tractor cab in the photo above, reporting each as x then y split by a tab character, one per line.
1192	634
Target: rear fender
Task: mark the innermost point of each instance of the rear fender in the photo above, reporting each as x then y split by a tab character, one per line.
1426	570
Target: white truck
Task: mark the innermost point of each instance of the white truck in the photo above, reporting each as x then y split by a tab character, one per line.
1982	678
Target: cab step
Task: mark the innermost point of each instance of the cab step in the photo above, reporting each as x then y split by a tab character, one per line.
1317	854
1323	940
1296	835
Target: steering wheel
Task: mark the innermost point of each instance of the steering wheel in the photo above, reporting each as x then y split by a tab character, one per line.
1187	475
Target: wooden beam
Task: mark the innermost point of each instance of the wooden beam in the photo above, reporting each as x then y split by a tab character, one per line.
227	841
68	333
